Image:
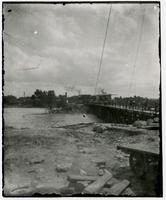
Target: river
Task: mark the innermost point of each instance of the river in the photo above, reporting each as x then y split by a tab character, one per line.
38	118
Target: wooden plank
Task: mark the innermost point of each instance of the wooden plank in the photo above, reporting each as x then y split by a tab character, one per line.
99	162
152	127
140	148
118	188
128	192
97	185
111	182
74	178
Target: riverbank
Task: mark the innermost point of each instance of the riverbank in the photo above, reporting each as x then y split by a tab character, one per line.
33	155
68	108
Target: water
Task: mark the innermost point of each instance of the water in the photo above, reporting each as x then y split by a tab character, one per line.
38	118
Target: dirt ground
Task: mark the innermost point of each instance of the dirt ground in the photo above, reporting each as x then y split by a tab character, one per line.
31	157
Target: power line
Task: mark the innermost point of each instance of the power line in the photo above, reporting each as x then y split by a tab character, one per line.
137	52
102	53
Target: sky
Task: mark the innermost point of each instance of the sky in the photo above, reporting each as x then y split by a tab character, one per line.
56	47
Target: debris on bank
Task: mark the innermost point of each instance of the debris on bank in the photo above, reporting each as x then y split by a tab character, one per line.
104	184
77	159
138	126
63	167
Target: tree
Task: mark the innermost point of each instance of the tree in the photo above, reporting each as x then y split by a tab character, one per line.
51	99
10	100
45	99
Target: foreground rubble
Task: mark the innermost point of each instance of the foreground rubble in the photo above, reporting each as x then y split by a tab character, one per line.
44	162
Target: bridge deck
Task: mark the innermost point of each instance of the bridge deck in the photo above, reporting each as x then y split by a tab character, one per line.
124	108
118	114
152	149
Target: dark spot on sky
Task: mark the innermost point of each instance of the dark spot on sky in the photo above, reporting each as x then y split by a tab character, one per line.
10	10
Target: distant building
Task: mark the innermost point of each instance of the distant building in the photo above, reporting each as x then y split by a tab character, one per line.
87	98
103	98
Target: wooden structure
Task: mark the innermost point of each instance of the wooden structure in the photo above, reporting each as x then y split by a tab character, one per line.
142	157
102	185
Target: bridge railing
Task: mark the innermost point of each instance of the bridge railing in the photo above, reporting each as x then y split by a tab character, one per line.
127	107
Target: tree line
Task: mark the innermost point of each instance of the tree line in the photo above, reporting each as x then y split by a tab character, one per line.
39	98
49	100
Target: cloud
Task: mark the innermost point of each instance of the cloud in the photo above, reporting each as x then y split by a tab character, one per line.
65	42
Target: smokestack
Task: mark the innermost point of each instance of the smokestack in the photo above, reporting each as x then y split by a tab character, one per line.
66	97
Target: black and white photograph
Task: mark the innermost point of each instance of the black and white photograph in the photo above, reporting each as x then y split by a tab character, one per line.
81	99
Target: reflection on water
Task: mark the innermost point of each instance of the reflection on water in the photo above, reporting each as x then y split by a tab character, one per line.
38	118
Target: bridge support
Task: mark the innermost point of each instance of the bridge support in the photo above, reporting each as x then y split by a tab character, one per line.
110	114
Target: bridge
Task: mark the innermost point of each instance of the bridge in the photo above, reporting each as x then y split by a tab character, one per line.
119	114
